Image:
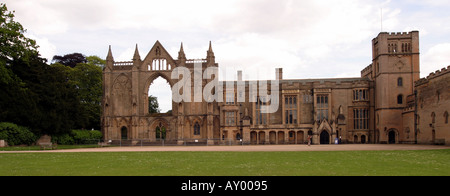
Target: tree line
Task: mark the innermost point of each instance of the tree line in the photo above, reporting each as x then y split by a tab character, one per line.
48	98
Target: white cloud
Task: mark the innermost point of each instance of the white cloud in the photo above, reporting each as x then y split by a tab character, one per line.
436	58
46	49
307	38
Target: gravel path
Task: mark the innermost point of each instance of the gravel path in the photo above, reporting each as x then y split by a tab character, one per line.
261	148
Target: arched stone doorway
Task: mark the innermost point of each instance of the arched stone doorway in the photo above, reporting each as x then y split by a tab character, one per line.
292	136
124	133
392	136
300	137
280	137
238	136
253	137
324	137
272	137
262	137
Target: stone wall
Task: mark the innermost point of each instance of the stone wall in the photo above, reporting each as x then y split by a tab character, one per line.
433	106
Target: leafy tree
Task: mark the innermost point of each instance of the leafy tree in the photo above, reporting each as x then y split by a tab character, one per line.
55	101
70	60
153	105
87	78
95	60
17	101
13	43
49	99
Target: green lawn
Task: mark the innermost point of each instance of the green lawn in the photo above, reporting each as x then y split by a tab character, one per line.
428	162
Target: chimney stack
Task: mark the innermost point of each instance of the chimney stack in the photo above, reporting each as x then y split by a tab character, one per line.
239	73
279	73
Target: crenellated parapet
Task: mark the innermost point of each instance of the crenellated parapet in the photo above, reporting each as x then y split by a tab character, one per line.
433	75
366	70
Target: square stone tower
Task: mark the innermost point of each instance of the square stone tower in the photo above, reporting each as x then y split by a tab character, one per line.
395	68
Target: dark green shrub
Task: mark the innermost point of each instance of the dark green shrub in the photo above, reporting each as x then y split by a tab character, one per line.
64	139
16	135
86	136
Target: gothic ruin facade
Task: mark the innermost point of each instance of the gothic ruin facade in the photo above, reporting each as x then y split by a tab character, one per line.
389	103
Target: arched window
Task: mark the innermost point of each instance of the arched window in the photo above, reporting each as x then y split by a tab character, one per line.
160	132
159	64
446	117
433	117
400	99
197	129
400	82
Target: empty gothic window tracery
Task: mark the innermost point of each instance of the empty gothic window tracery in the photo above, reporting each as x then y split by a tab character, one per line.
159	64
160	131
197	129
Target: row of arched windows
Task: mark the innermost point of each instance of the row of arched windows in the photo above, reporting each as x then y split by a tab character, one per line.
433	118
405	47
160	131
159	64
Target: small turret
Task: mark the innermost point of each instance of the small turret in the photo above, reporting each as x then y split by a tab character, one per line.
136	56
211	59
109	59
181	54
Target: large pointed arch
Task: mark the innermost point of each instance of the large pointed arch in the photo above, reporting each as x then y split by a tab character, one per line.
152	77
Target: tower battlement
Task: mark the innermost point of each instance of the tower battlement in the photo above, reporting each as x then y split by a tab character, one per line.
395	35
401	33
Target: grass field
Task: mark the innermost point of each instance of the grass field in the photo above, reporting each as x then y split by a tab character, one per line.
348	163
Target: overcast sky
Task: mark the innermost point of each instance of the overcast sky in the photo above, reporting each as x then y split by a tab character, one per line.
307	38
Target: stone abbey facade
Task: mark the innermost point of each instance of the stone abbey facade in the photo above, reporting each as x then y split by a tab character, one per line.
389	103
